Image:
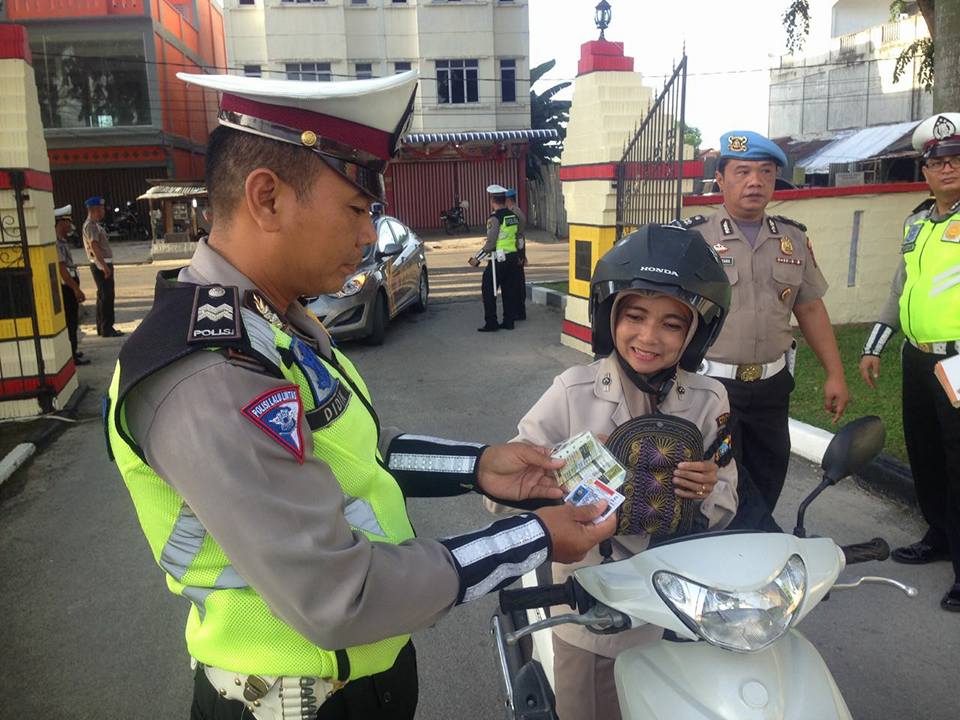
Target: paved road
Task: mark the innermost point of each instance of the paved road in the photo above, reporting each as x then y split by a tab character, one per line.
91	631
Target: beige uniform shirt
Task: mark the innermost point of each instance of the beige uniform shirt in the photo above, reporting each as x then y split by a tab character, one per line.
280	522
64	256
767	281
94	234
591	398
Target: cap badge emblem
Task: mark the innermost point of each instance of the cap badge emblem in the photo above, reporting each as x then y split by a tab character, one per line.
785	294
308	138
216	292
786	246
944	128
737	143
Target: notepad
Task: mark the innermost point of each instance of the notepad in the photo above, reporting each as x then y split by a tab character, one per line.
948	373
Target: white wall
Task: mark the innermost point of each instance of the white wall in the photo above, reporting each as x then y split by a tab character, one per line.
850	16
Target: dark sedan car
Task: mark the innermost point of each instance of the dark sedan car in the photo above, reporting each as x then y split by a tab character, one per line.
391	279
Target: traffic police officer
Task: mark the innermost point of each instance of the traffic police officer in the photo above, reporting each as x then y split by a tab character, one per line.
99	253
924	302
513	207
69	279
773	272
501	248
269	492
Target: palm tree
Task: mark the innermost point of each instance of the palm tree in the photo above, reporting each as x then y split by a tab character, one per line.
546	114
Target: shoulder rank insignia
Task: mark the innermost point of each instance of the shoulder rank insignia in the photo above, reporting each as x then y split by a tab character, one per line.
772	225
790	221
786	246
726	227
216	314
277	413
810	250
693	221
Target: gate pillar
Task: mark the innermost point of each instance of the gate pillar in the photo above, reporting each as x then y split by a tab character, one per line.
608	100
37	372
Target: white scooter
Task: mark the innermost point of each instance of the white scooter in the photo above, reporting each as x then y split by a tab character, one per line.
729	602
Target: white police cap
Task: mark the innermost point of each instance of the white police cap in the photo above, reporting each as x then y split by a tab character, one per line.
354	125
938	135
63	213
496	189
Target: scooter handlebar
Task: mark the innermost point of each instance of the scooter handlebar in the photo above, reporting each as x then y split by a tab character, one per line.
540	596
876	549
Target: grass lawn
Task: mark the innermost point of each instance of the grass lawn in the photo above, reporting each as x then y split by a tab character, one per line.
806	402
559	286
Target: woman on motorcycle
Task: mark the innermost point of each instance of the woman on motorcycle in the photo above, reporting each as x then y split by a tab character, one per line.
658	299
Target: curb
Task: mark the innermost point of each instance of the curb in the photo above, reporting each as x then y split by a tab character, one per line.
545	296
42	438
886	475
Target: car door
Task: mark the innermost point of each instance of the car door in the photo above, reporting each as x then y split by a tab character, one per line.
404	263
392	279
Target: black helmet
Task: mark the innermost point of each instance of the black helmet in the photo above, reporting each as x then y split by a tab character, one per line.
667	259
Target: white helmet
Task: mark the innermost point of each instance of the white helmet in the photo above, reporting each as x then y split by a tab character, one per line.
938	135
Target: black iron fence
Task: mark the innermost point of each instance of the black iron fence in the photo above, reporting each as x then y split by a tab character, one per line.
22	372
650	173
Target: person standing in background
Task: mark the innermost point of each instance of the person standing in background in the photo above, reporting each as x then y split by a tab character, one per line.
513	207
69	279
97	245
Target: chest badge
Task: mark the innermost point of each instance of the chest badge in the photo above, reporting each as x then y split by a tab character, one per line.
786	246
721	248
785	294
952	233
789	261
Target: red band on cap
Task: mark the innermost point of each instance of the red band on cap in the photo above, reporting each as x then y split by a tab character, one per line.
376	142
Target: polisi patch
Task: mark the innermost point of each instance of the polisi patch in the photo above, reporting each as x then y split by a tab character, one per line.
277	413
216	315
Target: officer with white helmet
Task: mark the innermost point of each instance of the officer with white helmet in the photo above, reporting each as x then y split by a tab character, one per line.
269	492
924	303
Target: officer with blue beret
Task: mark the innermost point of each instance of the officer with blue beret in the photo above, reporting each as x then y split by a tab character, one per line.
96	244
770	263
924	302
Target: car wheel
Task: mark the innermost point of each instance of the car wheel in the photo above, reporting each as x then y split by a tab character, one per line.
378	325
423	293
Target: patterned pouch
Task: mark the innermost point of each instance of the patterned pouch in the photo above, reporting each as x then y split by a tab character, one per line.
650	447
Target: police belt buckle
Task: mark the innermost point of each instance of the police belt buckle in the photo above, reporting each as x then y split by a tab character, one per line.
750	373
269	697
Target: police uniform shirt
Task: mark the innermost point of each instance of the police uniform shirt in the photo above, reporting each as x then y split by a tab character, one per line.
281	522
93	232
768	279
493	233
64	256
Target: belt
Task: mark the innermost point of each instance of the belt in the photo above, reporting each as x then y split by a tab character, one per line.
270	697
744	373
948	347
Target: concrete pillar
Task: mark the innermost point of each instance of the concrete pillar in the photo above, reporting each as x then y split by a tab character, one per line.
24	150
609	102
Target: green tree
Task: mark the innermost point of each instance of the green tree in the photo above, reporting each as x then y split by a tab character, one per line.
692	136
546	113
943	22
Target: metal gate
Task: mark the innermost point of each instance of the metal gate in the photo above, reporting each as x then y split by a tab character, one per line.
22	372
650	173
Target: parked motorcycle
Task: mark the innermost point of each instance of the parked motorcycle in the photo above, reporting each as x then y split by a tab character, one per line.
728	601
455	219
127	223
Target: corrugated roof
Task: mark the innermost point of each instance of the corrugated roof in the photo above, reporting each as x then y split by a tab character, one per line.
180	190
482	136
858	145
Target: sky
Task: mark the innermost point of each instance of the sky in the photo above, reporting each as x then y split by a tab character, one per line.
730	44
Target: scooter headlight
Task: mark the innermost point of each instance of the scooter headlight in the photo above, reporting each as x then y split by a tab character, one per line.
742	621
352	286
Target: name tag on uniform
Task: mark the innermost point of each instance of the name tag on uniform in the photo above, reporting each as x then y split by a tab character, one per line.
726	260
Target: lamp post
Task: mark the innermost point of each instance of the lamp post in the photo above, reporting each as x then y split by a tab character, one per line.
601	16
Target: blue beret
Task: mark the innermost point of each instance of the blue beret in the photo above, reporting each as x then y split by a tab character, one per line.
747	145
511	193
93	201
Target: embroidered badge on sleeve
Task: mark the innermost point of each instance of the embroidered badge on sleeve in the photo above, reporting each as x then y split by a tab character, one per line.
277	413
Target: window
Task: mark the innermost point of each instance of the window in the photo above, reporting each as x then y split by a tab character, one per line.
98	82
399	2
247	2
252	71
309	71
364	71
399	67
399	231
304	2
457	81
508	81
384	236
358	2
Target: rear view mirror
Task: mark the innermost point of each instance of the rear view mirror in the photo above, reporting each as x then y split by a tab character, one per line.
389	250
853	448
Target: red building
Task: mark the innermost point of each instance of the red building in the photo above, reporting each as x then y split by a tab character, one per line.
114	113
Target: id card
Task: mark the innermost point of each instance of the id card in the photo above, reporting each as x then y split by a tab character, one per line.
587	460
589	493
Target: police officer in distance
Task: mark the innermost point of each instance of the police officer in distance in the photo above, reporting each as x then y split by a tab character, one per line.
773	273
269	492
924	302
514	207
500	249
69	280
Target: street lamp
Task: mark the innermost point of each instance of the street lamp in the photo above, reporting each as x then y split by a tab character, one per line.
602	15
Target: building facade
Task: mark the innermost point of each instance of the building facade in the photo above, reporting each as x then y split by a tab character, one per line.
472	112
113	111
846	81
